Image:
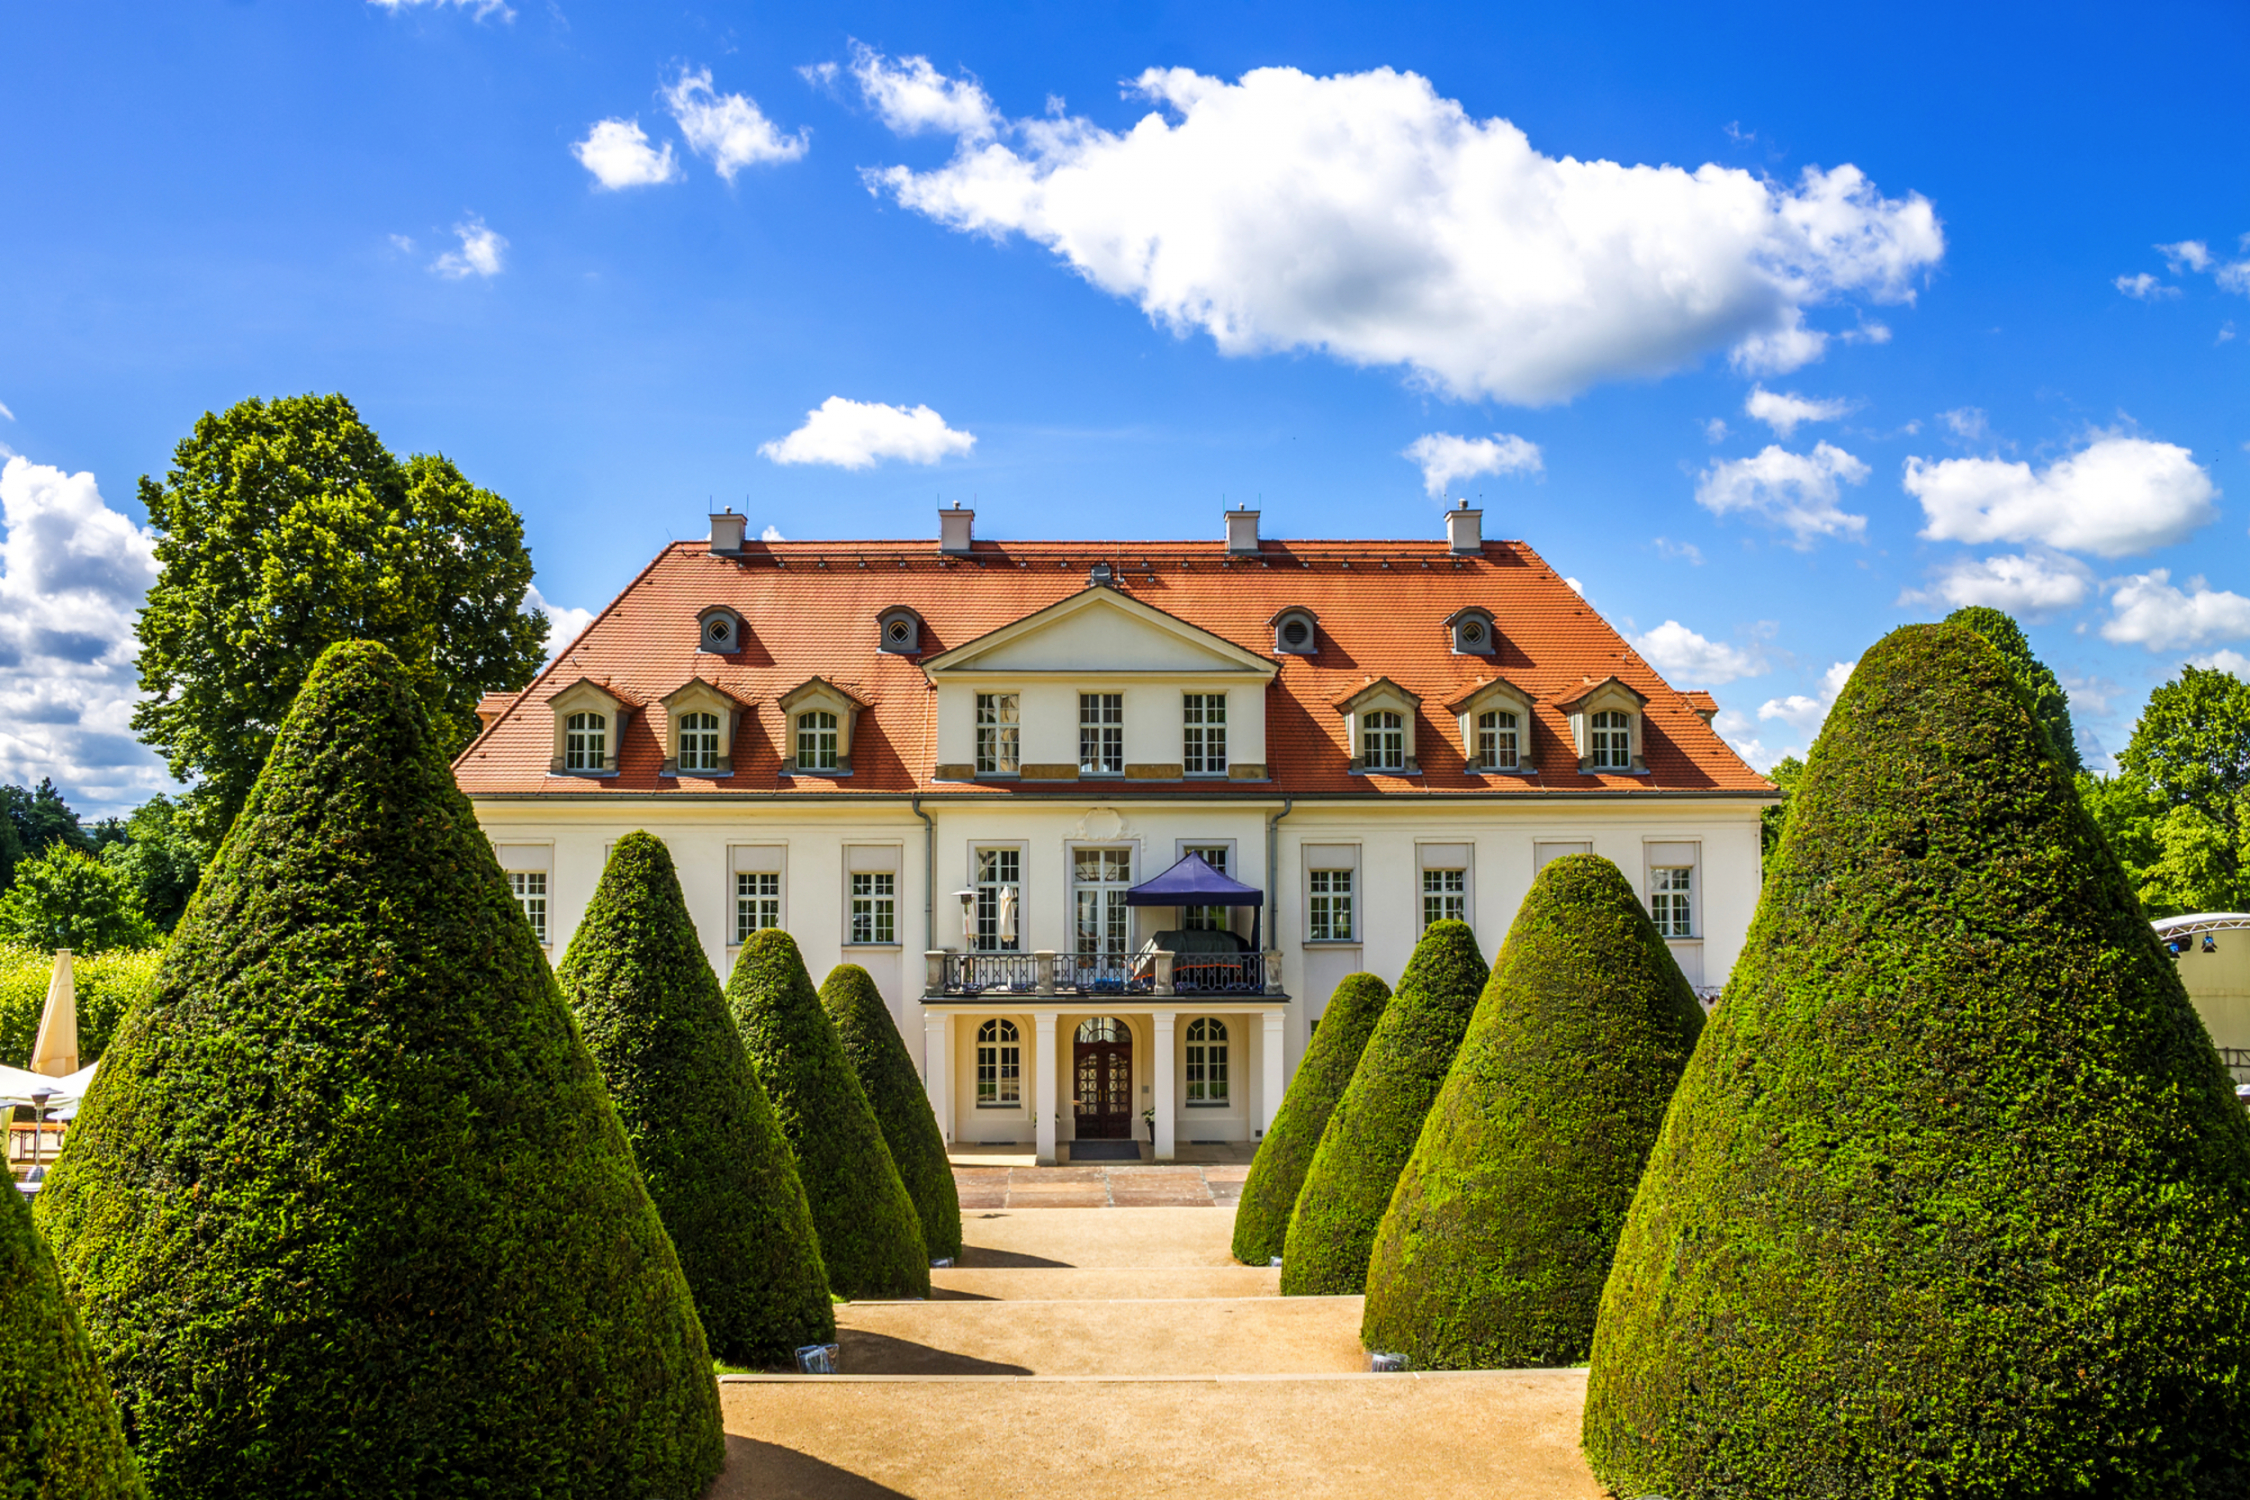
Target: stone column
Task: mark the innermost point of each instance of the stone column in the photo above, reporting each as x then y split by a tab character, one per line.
1164	962
933	964
1043	1086
937	1067
1161	1069
1043	962
1272	1056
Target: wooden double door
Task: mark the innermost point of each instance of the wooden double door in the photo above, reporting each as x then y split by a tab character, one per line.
1102	1074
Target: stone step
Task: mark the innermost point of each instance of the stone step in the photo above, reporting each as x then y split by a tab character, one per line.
1202	1336
1498	1435
970	1284
1097	1238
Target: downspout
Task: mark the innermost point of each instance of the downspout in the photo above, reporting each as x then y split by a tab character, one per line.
1273	911
929	871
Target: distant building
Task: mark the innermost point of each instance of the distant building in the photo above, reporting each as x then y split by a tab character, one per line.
2212	952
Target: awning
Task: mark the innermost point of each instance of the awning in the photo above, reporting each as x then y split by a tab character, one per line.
1191	882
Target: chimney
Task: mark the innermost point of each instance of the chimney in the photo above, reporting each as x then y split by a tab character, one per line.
726	533
1242	533
954	527
1464	529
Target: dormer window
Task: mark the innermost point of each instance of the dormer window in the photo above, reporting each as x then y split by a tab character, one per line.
1495	719
898	631
1380	720
1606	723
700	730
585	742
589	729
1472	633
1382	738
1295	632
1498	741
816	741
821	718
699	742
1611	741
719	630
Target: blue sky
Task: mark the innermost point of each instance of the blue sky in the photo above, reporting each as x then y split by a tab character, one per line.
1134	259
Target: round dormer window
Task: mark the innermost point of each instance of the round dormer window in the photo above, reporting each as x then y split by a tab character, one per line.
898	631
1295	633
1472	632
718	633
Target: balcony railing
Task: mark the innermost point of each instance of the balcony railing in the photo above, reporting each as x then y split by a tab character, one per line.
966	975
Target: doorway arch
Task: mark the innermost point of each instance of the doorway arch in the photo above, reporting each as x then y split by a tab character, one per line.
1102	1080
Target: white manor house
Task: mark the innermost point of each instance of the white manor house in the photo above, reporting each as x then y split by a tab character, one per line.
1108	821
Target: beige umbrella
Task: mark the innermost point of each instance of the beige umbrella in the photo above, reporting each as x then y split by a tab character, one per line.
56	1052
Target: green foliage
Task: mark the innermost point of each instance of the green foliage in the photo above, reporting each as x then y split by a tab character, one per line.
1954	1197
902	1105
35	821
66	898
870	1237
1772	820
1277	1174
347	1210
704	1135
1496	1244
155	851
1372	1131
2050	705
286	526
2178	811
59	1438
106	985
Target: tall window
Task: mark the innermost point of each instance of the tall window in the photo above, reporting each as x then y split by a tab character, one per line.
1203	734
999	1065
999	888
1496	741
530	887
699	742
1101	734
1329	920
1671	886
585	742
1208	918
1382	740
997	735
1612	736
1101	878
757	905
874	908
816	741
1445	896
1207	1061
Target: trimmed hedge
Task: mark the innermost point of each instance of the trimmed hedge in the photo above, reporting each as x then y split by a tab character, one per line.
1954	1197
870	1237
1374	1127
347	1210
705	1137
1496	1244
902	1105
1277	1173
59	1438
106	986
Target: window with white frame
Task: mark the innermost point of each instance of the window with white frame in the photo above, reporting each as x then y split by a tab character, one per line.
1445	896
1497	742
1328	910
1671	900
1610	740
585	742
875	908
998	735
530	888
1101	734
816	740
999	1065
699	742
1203	734
1099	880
757	903
999	888
1207	918
1382	740
1206	1061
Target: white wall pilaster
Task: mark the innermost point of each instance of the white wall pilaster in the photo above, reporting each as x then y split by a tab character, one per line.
1270	1056
1043	1086
1162	1066
937	1066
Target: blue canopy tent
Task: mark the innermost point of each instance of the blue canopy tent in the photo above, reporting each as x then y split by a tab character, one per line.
1191	882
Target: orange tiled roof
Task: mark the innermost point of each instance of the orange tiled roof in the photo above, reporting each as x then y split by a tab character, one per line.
810	610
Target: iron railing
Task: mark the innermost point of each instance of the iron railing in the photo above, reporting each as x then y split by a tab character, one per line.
991	973
1218	974
1091	974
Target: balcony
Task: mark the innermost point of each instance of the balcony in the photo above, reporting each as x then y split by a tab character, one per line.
1149	974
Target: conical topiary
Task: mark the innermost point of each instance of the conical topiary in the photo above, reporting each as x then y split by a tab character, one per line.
704	1135
348	1211
1954	1198
1373	1129
1496	1244
902	1106
870	1237
59	1438
1277	1173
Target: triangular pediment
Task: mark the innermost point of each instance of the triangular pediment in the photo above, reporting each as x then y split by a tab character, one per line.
1099	630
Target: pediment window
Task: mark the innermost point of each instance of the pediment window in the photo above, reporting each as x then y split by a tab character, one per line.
1380	726
589	723
818	721
1495	720
1606	721
701	724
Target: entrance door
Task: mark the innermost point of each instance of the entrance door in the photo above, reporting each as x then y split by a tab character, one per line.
1102	1064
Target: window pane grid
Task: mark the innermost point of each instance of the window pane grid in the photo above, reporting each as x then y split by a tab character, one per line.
1611	740
1208	918
999	1065
816	741
1204	734
874	908
757	905
1496	741
585	742
1206	1061
1445	896
1383	741
1101	734
530	888
999	871
699	742
1329	919
998	735
1671	888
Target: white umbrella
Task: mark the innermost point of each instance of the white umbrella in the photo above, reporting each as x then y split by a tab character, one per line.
1007	914
56	1051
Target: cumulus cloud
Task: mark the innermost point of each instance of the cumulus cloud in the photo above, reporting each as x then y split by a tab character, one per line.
861	434
1784	410
2235	277
2149	610
2038	583
772	534
1684	656
1445	458
1805	713
1968	423
617	152
564	623
2145	288
2232	662
1685	551
1576	587
480	8
913	98
1795	491
1715	430
479	255
2187	255
1738	730
728	129
1365	216
2114	497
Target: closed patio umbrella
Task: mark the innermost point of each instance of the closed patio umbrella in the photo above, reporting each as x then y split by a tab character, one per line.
56	1051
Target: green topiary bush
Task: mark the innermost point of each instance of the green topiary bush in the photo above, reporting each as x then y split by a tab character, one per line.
1373	1129
347	1210
902	1106
1496	1244
1954	1197
704	1135
870	1237
59	1438
1277	1173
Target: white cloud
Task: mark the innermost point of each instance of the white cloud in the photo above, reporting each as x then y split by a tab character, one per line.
2037	583
1685	551
2235	277
2116	496
2232	662
617	152
2145	288
1967	423
1715	430
73	573
861	434
1683	656
481	8
1576	587
1445	458
1783	410
1805	714
479	255
4	412
912	97
564	623
1796	491
728	129
2147	610
772	533
2191	255
1365	216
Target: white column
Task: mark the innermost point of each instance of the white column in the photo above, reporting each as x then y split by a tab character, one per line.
1043	1086
1162	1065
937	1067
1270	1054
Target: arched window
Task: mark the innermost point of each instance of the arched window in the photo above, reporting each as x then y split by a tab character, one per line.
699	742
816	741
586	742
1611	736
1103	1029
1207	1060
1496	741
1382	737
999	1066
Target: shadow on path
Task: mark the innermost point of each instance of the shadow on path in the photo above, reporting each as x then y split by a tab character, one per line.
768	1471
867	1353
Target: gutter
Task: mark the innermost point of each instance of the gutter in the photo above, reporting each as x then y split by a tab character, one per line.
929	872
1525	797
1273	905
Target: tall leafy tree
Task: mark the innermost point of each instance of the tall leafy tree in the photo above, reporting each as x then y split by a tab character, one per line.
286	526
2050	705
36	819
66	898
156	853
2178	811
